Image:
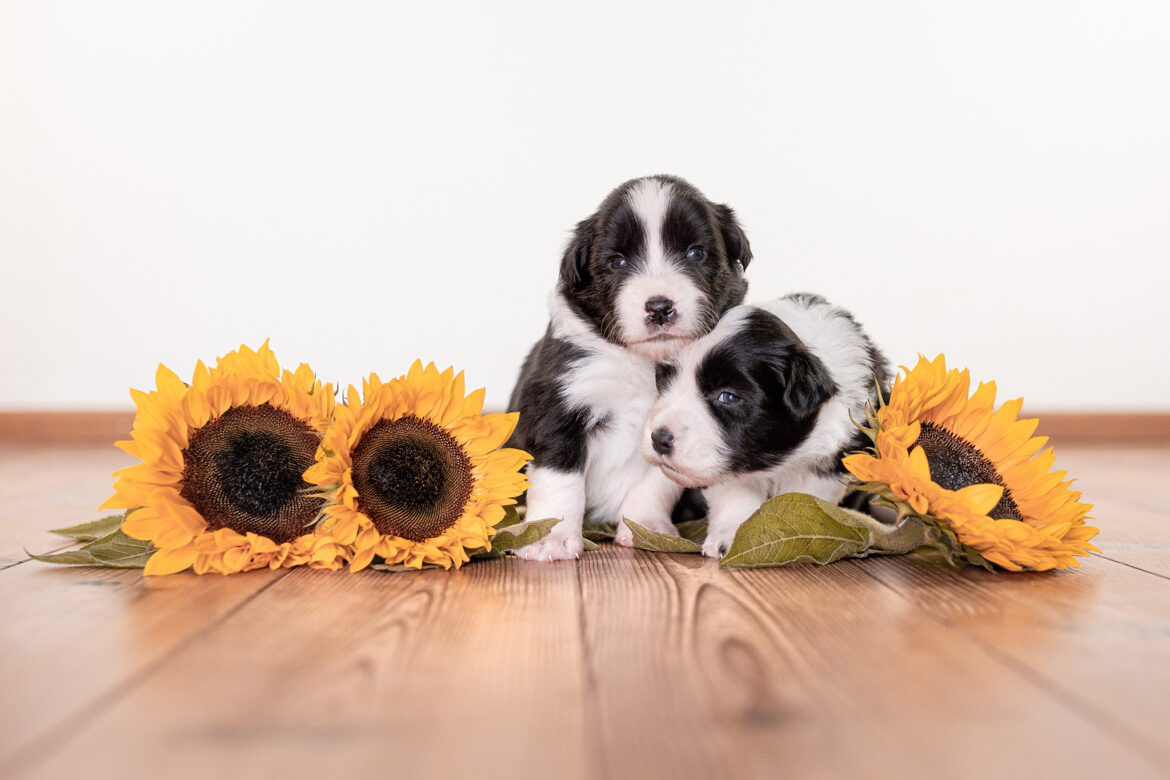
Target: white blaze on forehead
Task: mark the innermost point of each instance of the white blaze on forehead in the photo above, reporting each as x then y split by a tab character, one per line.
656	276
650	199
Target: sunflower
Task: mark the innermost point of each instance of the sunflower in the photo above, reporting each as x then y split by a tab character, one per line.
415	470
220	485
972	472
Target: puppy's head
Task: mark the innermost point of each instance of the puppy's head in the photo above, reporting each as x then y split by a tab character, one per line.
738	400
655	266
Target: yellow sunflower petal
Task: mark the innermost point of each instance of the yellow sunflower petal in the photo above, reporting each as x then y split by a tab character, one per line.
429	408
170	489
170	561
1049	532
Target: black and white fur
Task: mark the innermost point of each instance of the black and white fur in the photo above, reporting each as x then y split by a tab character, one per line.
764	404
649	272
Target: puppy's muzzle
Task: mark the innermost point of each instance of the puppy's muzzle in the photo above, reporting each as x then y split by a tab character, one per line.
660	311
662	441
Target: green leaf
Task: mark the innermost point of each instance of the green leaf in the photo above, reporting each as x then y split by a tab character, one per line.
92	531
645	539
590	545
522	535
796	527
513	536
511	517
695	530
597	531
114	551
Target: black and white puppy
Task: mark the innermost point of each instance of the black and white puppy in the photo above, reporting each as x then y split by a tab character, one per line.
764	404
649	272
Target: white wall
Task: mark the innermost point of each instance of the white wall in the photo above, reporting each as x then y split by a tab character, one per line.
371	182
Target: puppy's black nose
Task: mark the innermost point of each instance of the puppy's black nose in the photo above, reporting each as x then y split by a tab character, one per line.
662	440
660	311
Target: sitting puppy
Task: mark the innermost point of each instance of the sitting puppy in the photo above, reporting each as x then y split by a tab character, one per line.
764	405
649	272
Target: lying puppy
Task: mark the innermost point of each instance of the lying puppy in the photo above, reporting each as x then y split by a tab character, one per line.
649	272
764	405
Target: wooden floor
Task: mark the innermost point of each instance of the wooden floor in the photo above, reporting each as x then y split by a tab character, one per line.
624	664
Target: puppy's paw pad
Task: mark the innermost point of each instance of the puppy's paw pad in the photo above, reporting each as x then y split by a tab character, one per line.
716	546
553	547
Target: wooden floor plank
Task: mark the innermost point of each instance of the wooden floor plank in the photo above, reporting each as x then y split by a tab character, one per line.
1126	486
899	686
810	671
73	637
48	488
626	664
33	470
1131	533
684	682
475	672
1134	536
1099	636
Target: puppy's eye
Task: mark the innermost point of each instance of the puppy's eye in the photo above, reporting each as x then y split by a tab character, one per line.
729	399
617	262
696	253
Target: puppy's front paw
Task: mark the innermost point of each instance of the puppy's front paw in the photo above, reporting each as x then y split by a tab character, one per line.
662	525
554	547
718	543
623	535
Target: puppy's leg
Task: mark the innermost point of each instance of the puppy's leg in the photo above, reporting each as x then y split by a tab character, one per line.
559	494
831	487
649	504
730	503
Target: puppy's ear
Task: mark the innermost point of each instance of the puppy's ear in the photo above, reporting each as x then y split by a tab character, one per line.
575	262
734	239
807	384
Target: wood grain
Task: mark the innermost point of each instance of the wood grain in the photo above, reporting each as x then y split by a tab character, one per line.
625	664
780	668
683	681
75	639
1097	639
898	684
334	675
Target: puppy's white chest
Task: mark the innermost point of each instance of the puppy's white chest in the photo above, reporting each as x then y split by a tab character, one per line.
618	390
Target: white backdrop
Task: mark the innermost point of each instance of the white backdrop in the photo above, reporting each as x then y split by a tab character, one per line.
368	183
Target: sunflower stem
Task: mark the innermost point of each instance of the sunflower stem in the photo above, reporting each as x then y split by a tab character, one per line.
905	535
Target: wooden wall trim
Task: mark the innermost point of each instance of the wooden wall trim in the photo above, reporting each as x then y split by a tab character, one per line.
1104	427
89	428
65	427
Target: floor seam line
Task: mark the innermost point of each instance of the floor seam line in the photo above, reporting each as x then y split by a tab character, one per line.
1138	568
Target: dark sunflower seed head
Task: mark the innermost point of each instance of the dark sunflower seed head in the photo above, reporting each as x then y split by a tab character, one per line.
956	464
412	477
243	470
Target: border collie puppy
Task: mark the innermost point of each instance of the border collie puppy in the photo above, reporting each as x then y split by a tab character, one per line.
764	405
649	272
